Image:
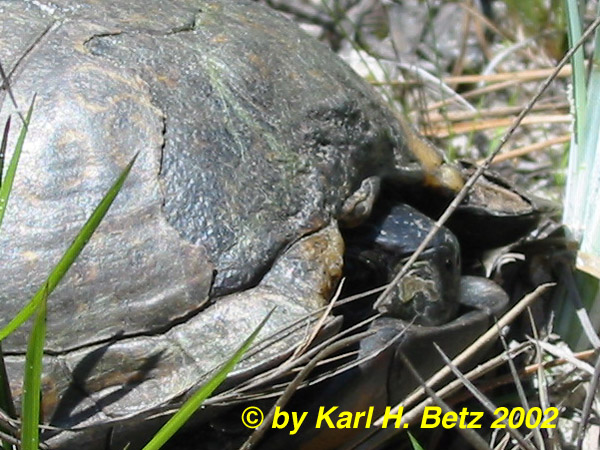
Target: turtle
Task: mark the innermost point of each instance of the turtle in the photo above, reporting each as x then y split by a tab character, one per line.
256	145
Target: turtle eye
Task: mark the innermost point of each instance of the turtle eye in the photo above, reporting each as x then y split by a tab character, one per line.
448	264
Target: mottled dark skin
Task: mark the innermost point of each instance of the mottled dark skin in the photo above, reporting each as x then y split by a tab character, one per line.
378	249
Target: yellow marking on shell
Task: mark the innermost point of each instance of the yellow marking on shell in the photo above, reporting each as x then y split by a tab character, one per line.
30	256
220	39
165	79
91	274
79	44
293	76
255	59
32	199
116	378
213	7
259	64
69	137
80	47
91	172
102	74
104	71
81	308
315	74
93	107
74	141
134	19
50	397
328	248
108	102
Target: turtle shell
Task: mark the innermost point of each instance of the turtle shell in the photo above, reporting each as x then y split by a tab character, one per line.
251	138
250	135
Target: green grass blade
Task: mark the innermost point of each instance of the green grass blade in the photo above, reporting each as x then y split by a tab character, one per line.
579	86
70	255
32	381
196	400
591	237
576	187
413	442
3	144
14	162
581	215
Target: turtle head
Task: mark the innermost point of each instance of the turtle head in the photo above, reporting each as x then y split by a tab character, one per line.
491	204
377	250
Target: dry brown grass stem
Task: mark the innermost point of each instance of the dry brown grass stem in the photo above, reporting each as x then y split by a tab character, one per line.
455	116
500	81
521	76
473	93
470	126
518	77
532	370
527	149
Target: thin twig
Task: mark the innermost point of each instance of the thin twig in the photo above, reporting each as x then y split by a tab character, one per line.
319	325
502	111
527	149
541	376
449	129
520	76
